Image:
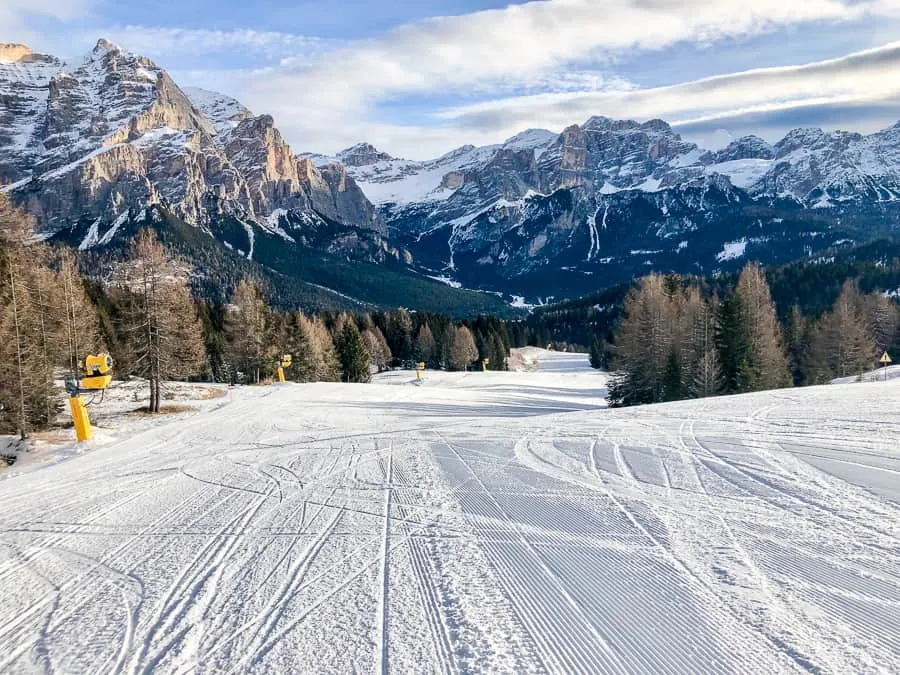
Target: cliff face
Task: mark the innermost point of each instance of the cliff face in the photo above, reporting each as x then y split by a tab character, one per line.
115	133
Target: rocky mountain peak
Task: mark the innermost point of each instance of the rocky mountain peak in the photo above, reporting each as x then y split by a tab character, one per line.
105	46
746	147
363	154
658	126
115	134
10	52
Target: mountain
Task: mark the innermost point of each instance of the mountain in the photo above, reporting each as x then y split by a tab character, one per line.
547	214
95	148
114	132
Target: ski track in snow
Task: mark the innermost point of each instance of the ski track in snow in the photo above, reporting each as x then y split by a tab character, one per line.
479	522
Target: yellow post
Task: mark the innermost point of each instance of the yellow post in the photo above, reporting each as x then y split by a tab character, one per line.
280	374
484	365
420	366
83	430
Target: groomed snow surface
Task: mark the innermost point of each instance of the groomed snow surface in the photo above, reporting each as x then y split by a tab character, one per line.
480	522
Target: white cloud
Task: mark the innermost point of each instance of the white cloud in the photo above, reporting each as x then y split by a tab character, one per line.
511	47
176	42
864	76
16	17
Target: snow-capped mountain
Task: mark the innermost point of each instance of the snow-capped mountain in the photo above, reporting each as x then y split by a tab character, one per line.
92	147
113	133
610	199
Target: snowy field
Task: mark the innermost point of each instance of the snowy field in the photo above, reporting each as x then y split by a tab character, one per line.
480	522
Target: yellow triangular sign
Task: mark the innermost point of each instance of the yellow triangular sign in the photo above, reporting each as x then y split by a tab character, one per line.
886	359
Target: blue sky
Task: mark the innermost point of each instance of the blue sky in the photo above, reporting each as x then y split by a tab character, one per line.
420	78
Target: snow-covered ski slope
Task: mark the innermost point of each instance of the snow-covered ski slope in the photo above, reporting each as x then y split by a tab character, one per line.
498	522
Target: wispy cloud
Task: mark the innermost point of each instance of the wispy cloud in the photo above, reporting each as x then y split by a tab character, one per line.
173	43
864	76
511	47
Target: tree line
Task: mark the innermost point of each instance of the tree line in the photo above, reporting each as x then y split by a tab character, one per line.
146	317
677	341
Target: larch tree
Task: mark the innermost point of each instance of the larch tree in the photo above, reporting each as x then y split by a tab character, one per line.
27	394
463	351
426	346
844	344
377	346
163	329
644	345
883	318
80	334
703	373
246	327
328	366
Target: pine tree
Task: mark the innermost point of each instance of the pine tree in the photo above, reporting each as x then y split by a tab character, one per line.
597	355
498	352
297	342
672	386
400	336
354	358
733	346
798	344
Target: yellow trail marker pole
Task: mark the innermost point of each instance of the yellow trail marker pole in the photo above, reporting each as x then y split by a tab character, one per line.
83	430
886	360
280	374
420	366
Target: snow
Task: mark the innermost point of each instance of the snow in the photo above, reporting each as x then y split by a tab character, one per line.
877	375
452	283
733	250
743	173
403	181
111	232
92	238
478	522
221	110
532	139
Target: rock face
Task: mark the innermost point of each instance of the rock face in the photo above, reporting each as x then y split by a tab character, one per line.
555	214
114	133
362	154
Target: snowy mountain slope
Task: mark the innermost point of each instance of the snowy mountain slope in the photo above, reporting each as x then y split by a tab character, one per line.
223	111
499	522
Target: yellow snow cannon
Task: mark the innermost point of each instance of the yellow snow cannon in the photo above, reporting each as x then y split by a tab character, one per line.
285	363
97	368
